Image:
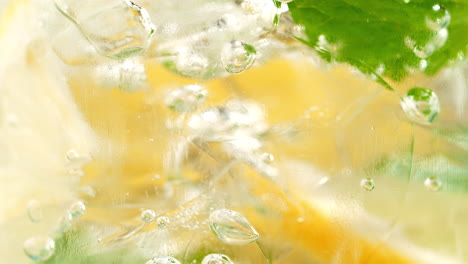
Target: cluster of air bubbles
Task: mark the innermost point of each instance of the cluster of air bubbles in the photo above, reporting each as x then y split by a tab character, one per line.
437	22
117	29
368	184
186	98
216	259
197	61
227	41
232	227
238	125
236	119
148	216
163	260
39	248
433	184
421	105
163	222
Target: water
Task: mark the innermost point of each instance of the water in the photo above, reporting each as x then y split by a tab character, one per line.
186	98
421	105
34	211
148	216
439	18
163	221
117	29
77	209
39	248
433	184
163	260
232	227
216	259
368	184
238	56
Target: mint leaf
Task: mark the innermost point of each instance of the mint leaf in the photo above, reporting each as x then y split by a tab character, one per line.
384	37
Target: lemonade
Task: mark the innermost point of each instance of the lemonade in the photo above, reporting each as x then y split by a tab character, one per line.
230	132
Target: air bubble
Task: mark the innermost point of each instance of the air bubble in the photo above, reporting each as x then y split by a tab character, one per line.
34	211
424	51
72	155
191	64
440	38
186	99
433	184
216	259
148	216
232	227
368	184
237	56
439	18
421	105
423	65
39	248
77	209
65	222
163	222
